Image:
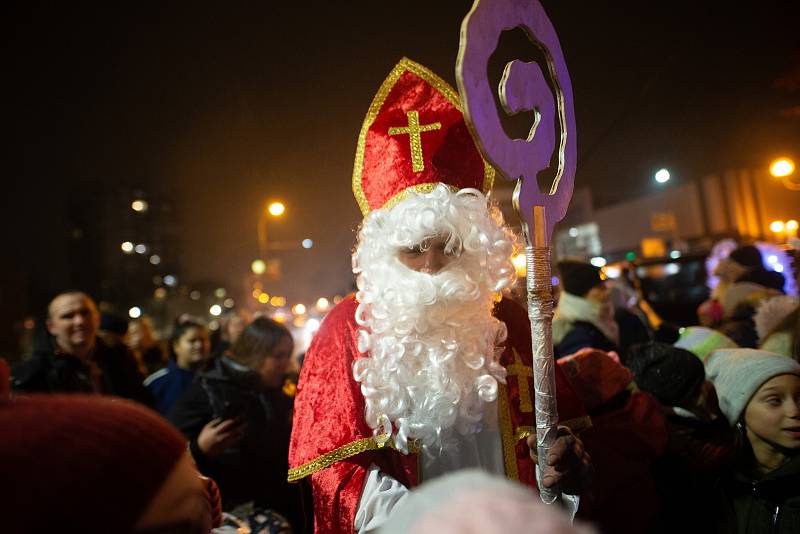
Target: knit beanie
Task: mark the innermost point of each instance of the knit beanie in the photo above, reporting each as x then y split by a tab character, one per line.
473	501
672	375
701	341
578	277
113	323
738	373
597	376
78	463
748	256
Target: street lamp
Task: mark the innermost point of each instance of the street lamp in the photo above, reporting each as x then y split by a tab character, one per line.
274	209
258	267
139	206
778	228
783	169
662	176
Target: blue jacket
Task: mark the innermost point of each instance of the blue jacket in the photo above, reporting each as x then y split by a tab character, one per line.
168	384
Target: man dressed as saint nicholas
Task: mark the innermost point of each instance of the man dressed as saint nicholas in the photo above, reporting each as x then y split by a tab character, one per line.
427	368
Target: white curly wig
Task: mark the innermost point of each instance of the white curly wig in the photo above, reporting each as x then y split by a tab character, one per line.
430	342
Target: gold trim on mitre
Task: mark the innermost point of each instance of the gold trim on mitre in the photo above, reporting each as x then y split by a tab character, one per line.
440	85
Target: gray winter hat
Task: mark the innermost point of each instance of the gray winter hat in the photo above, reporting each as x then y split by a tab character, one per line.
471	501
738	373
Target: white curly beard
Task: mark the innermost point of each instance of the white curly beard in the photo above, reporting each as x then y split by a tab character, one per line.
431	342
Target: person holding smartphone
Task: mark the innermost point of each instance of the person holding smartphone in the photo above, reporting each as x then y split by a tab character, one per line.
238	422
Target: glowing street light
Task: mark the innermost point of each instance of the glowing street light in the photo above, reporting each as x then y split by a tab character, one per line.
139	206
307	243
127	247
263	298
323	304
791	228
299	309
276	209
779	229
215	310
258	267
781	167
598	261
662	176
135	312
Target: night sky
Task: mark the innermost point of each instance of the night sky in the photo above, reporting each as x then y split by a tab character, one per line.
230	104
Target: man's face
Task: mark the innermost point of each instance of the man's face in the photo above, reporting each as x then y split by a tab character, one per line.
599	294
73	320
429	257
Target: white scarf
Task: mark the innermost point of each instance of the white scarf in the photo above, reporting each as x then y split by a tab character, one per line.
572	308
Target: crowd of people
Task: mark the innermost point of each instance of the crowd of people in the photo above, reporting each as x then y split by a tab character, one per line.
414	408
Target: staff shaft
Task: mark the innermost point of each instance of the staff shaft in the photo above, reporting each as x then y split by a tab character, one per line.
540	313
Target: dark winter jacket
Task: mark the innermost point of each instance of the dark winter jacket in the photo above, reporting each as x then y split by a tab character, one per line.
49	372
697	452
254	469
583	334
755	504
168	384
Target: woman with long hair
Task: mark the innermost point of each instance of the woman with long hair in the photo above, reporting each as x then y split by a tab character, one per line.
238	422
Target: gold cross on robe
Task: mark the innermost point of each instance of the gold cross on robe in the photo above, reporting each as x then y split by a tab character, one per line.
522	372
414	129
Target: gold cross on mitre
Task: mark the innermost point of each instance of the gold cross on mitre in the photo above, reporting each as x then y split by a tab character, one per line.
522	372
414	129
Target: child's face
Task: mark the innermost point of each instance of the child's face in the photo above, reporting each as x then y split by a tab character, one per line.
773	414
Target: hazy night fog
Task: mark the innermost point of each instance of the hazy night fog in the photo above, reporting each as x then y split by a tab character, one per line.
223	106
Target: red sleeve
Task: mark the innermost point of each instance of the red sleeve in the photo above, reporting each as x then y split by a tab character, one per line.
329	413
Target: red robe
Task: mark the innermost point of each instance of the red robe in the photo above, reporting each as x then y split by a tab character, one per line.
332	443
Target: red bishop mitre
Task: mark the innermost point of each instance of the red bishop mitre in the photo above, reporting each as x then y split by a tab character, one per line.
413	138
